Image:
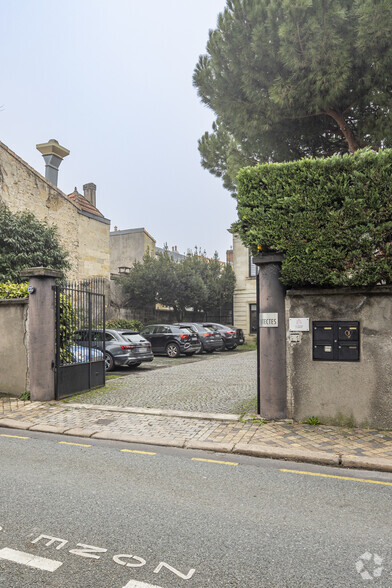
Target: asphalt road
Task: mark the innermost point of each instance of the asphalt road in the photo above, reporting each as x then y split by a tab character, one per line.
85	513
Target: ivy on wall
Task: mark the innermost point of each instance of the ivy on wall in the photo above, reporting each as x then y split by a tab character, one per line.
8	290
331	218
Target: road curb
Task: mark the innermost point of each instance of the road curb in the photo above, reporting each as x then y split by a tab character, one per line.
123	437
208	416
366	463
210	446
13	424
48	429
79	432
287	453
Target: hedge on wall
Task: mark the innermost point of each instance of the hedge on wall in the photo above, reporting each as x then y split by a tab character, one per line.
331	218
8	290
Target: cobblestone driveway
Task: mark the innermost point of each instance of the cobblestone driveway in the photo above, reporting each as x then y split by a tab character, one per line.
221	383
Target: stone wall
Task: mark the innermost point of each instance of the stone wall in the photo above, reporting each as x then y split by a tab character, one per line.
337	392
14	377
86	238
94	253
245	289
129	246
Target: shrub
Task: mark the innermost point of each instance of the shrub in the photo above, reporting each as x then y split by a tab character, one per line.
25	241
331	218
8	290
133	325
67	328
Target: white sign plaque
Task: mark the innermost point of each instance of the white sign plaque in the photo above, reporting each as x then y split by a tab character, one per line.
299	324
268	319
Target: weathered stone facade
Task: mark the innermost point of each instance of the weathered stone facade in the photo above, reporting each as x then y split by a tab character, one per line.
245	289
129	246
14	376
84	235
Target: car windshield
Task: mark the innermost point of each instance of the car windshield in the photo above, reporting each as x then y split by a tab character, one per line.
192	328
187	330
133	338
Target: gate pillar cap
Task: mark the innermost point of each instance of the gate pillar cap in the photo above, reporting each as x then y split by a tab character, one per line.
40	272
268	258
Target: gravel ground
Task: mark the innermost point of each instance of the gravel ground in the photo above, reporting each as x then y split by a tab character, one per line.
221	383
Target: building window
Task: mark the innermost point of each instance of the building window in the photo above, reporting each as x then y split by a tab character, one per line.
252	267
253	318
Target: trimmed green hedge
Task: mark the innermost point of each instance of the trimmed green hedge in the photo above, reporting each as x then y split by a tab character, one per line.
332	217
133	325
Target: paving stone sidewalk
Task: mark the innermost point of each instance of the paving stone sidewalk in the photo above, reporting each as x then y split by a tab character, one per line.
220	383
371	449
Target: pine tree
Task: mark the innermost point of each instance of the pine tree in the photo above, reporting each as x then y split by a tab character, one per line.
291	79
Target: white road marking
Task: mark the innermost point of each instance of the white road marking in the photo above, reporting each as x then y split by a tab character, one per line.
136	584
27	559
163	564
51	541
139	560
88	551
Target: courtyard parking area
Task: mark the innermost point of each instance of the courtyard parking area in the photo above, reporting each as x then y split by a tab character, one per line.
218	383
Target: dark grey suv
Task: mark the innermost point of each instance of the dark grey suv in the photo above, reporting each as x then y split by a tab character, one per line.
230	335
171	339
122	347
210	340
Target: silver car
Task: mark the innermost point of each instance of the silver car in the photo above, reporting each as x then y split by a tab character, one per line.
122	347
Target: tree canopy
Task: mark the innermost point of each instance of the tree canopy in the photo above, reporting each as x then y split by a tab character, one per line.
295	79
196	282
25	242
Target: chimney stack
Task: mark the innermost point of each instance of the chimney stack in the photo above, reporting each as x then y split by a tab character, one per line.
230	256
53	154
90	193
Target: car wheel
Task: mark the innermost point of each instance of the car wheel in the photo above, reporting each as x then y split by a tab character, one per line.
172	350
109	362
232	347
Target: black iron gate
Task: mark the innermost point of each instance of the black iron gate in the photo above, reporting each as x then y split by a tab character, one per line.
80	320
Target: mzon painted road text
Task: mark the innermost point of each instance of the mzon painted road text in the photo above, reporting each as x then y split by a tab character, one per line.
123	559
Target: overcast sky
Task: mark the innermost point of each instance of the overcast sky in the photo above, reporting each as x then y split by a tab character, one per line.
112	82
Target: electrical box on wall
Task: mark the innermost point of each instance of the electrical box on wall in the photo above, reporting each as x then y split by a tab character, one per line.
335	340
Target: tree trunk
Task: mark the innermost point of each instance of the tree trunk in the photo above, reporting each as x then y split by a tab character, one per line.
338	117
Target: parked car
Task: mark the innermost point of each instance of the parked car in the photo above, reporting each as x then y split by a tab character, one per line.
210	340
122	347
230	335
171	339
239	335
80	354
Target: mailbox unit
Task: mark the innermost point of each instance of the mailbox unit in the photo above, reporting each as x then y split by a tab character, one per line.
336	340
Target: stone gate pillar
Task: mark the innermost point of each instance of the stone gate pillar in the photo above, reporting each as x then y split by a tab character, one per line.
271	348
41	332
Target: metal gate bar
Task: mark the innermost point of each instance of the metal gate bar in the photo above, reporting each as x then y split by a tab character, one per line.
80	309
